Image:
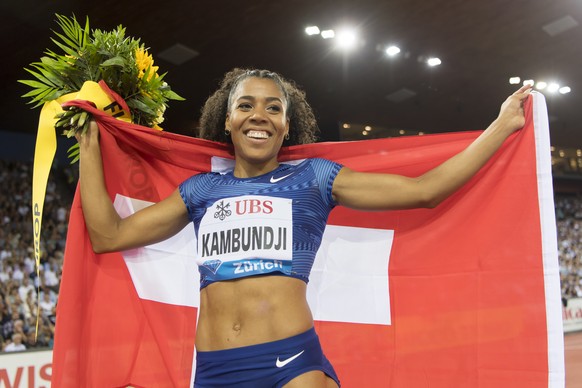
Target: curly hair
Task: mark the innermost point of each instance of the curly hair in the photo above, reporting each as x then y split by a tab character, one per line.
302	124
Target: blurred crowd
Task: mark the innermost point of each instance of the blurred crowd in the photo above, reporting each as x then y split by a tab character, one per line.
569	226
23	291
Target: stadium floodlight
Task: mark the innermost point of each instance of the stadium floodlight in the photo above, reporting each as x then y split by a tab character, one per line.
434	61
565	90
541	85
312	30
514	80
392	50
553	87
327	34
346	39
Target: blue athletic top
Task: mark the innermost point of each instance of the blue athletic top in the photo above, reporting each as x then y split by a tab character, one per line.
271	223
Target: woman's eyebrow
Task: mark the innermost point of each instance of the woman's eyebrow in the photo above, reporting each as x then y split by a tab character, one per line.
269	99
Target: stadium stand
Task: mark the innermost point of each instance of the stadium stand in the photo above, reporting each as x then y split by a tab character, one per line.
19	281
569	227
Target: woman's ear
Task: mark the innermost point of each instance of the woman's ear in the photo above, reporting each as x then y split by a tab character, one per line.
227	122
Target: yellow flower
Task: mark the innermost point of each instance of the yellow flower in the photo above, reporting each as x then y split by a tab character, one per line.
145	61
160	118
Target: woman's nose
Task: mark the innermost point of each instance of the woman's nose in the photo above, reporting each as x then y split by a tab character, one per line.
258	116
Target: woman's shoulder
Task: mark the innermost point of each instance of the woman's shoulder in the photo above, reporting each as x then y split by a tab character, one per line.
324	166
204	176
201	181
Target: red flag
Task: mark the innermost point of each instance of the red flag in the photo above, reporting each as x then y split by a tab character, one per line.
463	295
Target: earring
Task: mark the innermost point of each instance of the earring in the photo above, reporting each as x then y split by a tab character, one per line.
287	136
227	132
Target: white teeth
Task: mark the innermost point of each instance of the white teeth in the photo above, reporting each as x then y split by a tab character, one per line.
258	134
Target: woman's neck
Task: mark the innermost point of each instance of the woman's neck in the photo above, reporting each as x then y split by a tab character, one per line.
249	170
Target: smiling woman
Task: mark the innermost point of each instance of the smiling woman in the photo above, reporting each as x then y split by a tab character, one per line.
260	225
257	122
299	113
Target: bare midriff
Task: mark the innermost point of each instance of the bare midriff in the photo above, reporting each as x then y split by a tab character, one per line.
251	311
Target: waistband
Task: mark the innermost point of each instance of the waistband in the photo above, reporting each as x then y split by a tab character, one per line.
259	349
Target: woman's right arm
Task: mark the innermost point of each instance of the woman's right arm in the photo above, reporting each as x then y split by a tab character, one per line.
107	230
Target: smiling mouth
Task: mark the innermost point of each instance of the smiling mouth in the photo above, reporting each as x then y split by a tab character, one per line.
258	134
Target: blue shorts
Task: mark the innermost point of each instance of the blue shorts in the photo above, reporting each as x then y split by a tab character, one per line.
268	365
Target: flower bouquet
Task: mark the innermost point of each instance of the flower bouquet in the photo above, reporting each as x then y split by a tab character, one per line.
120	64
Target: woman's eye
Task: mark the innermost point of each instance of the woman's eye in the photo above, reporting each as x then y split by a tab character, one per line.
244	106
274	108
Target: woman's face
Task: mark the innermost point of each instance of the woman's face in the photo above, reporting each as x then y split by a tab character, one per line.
257	120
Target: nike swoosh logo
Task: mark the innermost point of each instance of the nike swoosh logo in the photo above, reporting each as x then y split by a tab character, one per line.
282	363
275	180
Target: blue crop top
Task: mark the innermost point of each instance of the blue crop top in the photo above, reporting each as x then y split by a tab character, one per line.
271	223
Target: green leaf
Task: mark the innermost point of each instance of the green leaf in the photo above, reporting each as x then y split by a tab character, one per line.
40	98
49	62
49	74
40	77
116	61
171	95
67	45
52	77
33	84
135	103
74	152
76	35
33	92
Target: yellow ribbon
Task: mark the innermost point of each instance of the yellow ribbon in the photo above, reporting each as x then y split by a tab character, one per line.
46	147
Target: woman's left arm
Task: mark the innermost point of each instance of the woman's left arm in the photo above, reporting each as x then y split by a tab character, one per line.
367	191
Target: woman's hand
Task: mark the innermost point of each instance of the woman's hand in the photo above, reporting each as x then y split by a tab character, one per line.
90	138
511	116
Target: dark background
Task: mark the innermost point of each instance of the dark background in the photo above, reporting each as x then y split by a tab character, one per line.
481	45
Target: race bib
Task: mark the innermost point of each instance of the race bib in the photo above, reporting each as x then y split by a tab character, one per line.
237	229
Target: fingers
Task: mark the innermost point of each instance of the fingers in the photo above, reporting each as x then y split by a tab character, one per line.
523	91
92	132
93	126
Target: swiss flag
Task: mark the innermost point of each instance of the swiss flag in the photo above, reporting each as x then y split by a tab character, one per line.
464	295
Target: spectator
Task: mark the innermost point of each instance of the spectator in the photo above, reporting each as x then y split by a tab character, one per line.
18	273
50	278
47	305
16	345
25	288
